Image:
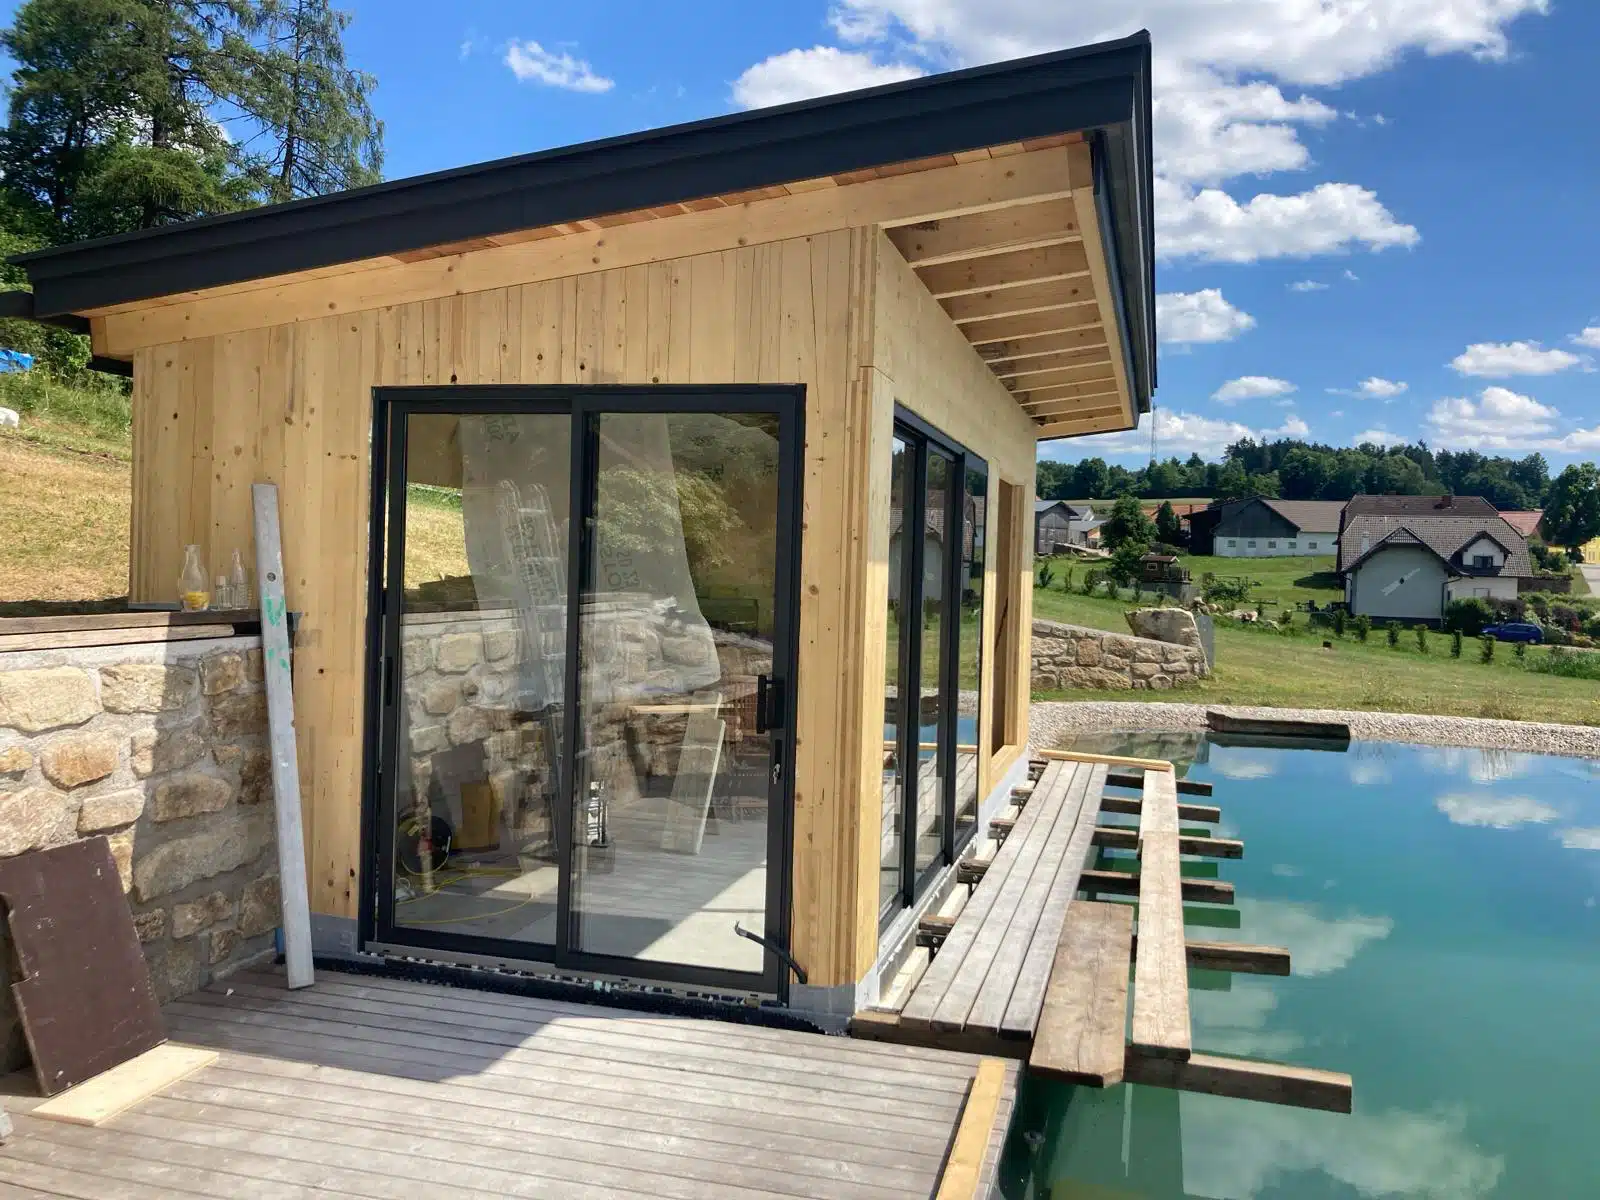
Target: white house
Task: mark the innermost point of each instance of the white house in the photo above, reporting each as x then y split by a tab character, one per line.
1261	528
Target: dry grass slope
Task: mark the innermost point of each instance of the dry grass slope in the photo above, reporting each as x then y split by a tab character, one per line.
64	520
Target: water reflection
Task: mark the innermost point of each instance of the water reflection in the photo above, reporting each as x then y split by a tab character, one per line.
1442	933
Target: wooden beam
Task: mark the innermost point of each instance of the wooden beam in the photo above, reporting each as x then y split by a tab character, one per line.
1059	429
1186	787
1007	270
980	185
1114	837
1081	1036
1092	411
1244	1079
1055	343
1062	376
1238	957
1081	169
1120	883
1207	814
1026	226
1020	369
97	1100
1032	325
1010	302
1110	760
1043	399
964	1168
1160	969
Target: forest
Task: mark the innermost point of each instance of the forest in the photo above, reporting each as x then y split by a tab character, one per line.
128	114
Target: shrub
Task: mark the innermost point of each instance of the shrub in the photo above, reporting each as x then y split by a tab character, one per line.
1509	610
1363	627
1091	580
1392	629
1228	592
1469	614
1566	616
1165	548
1540	604
1555	635
1066	580
1339	619
1486	649
1591	627
1455	643
1286	617
1046	576
1422	638
1570	666
1520	650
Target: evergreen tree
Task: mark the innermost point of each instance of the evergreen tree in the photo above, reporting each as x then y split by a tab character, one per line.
1127	524
1167	527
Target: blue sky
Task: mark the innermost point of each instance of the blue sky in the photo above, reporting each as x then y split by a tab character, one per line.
1381	217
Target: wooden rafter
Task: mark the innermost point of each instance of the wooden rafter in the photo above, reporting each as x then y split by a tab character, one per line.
998	271
1014	302
1107	424
1066	391
1041	324
1089	373
1055	343
1060	410
1024	227
1018	369
1096	413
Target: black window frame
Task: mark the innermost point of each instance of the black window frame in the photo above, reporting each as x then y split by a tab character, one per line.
920	437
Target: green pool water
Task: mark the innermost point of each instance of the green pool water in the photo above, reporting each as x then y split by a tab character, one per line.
1442	907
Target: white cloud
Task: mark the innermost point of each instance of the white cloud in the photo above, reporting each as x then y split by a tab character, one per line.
1251	387
1187	318
1373	388
1351	276
1307	285
819	71
1589	338
1331	218
1183	433
1236	766
1581	839
1494	812
1501	419
1378	437
532	63
1500	359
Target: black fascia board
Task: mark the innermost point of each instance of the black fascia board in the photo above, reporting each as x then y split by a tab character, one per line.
1096	87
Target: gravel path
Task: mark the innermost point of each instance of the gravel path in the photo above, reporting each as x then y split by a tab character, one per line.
1053	721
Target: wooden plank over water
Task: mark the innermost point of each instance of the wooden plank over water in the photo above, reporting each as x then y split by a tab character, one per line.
1186	787
494	1095
1082	1033
1117	837
1206	814
1245	1079
1160	964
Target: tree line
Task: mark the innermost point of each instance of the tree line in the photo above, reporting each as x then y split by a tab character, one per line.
1291	469
130	114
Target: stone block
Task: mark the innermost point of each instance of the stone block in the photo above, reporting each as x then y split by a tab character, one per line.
71	762
146	687
176	864
34	701
416	656
441	697
238	714
178	973
31	818
1173	625
189	796
156	751
100	813
1160	683
1145	670
190	919
1118	645
472	724
253	667
15	760
255	776
221	672
500	643
455	653
260	908
151	926
428	739
1148	652
220	943
122	854
1088	653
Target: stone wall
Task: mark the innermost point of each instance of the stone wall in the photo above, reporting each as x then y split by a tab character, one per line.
1072	656
161	748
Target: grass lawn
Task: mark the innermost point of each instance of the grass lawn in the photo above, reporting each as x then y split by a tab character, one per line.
1258	666
66	518
1278	581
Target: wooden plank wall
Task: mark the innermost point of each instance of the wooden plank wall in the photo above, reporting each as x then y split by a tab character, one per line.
920	361
291	404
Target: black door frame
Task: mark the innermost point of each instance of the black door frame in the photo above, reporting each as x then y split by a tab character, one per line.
920	438
386	558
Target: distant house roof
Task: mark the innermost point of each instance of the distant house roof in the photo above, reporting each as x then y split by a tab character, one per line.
1419	506
1524	521
1040	506
1309	516
1445	535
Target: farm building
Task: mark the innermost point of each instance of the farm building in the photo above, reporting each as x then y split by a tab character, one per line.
1260	528
609	661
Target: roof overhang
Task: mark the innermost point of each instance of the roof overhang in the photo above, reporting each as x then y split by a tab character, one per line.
1020	193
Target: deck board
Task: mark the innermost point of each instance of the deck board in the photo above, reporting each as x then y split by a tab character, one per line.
378	1087
1082	1035
1160	964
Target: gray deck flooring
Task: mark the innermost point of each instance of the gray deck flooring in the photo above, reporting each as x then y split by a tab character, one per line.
363	1086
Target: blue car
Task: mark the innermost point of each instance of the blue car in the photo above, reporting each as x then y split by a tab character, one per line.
1514	631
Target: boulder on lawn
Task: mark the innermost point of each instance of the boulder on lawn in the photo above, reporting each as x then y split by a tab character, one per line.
1174	625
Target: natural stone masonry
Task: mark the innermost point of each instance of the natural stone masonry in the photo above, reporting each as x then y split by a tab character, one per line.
1073	656
160	748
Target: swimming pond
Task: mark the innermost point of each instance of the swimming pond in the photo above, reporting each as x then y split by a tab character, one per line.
1442	908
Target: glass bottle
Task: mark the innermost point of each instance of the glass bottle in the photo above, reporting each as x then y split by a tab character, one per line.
193	595
220	599
239	584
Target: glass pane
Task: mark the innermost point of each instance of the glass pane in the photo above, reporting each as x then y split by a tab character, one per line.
931	784
893	702
973	519
675	647
482	639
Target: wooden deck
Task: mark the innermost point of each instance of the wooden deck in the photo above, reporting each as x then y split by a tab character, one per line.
376	1087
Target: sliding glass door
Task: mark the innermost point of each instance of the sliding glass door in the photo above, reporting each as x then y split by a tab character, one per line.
938	494
586	648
